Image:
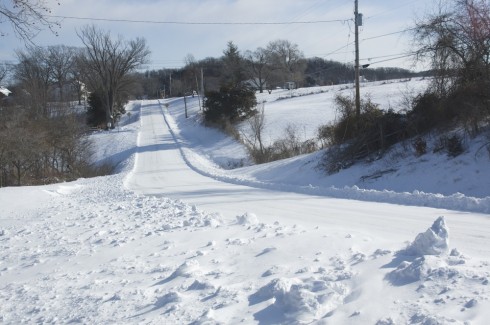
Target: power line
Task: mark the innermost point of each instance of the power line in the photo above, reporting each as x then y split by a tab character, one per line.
202	23
396	58
389	56
389	34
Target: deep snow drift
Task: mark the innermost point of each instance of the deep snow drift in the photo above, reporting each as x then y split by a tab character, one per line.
165	240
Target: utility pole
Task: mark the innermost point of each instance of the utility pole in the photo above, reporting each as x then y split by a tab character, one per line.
357	22
202	83
185	106
170	86
198	93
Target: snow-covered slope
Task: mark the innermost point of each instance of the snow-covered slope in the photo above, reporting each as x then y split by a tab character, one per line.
167	241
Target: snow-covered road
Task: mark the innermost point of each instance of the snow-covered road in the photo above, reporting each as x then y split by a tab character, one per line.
167	241
163	169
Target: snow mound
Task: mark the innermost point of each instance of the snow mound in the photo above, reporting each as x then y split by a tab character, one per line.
206	319
247	219
187	269
296	300
434	241
408	272
422	257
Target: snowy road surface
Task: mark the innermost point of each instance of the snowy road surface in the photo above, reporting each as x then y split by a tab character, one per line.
161	169
161	243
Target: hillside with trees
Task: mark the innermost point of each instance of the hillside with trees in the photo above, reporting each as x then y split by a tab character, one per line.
45	119
57	92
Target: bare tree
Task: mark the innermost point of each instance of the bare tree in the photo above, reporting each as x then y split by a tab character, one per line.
77	73
257	68
4	70
191	73
61	59
256	126
33	72
456	41
287	60
110	61
27	17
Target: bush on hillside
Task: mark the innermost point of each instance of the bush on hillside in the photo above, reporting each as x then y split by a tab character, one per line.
96	112
454	146
96	115
290	145
420	146
43	150
358	137
426	113
229	104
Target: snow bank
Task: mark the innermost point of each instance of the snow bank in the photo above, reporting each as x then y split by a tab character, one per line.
456	201
416	182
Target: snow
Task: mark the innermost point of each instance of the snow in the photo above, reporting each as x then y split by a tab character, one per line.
435	241
305	109
176	236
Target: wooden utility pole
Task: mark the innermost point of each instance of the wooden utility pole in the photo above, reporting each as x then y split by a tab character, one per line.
357	22
185	106
198	93
202	83
170	86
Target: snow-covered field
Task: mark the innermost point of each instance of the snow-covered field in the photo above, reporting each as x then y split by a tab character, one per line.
174	239
305	109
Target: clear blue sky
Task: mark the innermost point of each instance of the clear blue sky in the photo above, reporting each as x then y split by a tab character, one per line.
170	43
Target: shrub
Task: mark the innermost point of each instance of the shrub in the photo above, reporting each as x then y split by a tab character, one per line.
231	104
41	151
360	137
426	113
288	146
420	146
96	112
454	146
96	115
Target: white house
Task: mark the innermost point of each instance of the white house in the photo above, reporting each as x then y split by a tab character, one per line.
4	92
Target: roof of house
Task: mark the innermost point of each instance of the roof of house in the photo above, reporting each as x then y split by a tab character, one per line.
5	91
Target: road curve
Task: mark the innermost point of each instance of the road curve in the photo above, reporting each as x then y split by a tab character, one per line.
161	170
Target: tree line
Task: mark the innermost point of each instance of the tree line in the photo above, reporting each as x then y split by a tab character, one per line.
263	69
43	123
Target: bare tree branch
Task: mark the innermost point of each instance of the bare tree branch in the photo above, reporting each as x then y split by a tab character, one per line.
27	18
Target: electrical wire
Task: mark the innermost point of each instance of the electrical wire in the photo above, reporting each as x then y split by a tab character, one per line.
201	23
388	56
388	34
392	59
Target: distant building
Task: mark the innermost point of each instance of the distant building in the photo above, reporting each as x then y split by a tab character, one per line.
252	84
4	92
363	79
289	85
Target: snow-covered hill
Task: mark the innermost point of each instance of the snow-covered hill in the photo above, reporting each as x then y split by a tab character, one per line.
172	238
